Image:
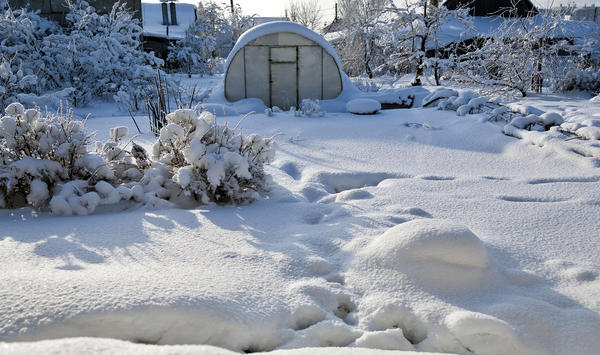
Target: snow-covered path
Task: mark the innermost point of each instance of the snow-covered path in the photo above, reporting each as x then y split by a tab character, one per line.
408	230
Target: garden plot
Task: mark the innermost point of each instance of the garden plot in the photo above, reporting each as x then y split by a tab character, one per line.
412	230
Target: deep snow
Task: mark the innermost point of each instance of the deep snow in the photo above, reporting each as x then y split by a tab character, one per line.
409	230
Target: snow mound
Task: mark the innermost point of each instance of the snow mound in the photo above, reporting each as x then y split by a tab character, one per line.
435	241
483	334
390	339
363	106
326	333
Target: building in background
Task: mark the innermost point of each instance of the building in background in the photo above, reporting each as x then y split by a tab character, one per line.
56	10
487	8
586	13
164	23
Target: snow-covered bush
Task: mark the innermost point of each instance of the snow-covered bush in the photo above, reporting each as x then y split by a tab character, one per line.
40	153
13	82
516	115
463	102
45	163
310	107
209	162
578	80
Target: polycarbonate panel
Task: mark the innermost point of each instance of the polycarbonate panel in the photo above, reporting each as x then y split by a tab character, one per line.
283	54
332	81
257	72
309	72
282	39
234	78
283	85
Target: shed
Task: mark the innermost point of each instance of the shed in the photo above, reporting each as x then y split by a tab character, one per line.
504	8
282	63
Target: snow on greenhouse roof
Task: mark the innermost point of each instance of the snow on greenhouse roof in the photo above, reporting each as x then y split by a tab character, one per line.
278	27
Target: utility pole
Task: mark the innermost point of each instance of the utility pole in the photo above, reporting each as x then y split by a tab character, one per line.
336	12
232	11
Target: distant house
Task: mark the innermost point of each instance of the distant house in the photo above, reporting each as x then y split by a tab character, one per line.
165	23
487	8
56	10
162	22
586	13
488	17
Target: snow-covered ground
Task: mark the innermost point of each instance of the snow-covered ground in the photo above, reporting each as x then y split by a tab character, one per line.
406	230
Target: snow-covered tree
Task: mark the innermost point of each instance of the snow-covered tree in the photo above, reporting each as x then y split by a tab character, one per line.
194	53
99	55
21	63
306	13
415	30
517	56
362	26
210	37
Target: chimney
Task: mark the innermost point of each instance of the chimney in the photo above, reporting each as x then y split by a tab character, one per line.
173	14
165	14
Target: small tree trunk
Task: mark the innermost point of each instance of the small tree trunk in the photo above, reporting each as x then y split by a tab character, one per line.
417	80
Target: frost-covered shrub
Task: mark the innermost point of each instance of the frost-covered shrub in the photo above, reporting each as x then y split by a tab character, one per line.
127	165
463	102
208	162
515	115
39	153
45	163
580	80
13	82
310	107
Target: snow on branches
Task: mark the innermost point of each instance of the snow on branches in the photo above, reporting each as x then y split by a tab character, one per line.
208	39
210	162
95	55
45	163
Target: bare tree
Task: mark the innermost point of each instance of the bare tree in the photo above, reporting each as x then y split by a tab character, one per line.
362	25
306	13
416	28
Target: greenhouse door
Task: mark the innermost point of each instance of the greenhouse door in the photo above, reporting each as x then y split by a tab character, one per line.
283	77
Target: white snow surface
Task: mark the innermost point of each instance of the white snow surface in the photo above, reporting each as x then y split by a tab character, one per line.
363	106
413	230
